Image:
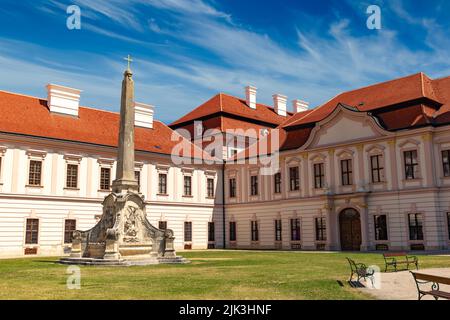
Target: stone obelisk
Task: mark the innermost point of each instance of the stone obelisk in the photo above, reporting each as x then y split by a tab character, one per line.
125	179
124	236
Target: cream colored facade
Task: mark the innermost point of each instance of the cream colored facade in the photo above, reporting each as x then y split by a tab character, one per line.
347	135
52	203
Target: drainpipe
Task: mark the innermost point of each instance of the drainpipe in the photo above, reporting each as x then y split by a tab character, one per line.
223	204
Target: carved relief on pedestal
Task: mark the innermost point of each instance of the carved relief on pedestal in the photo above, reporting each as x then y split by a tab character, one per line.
131	227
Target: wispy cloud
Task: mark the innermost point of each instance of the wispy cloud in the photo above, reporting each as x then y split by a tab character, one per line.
201	50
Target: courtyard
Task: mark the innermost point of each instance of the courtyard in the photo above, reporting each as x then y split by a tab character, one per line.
216	274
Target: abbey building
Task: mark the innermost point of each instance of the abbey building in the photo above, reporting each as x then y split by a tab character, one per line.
367	170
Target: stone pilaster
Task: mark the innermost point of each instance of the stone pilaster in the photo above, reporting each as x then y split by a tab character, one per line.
393	164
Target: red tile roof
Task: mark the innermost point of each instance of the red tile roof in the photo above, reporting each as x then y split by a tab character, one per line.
30	116
373	97
225	104
407	102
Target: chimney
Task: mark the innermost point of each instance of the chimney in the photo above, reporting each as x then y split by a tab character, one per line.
63	100
279	103
143	115
250	96
299	105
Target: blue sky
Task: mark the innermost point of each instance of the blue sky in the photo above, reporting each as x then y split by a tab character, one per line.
185	51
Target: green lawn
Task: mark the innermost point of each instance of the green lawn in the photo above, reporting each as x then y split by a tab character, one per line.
211	275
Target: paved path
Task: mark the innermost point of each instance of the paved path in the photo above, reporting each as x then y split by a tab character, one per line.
400	285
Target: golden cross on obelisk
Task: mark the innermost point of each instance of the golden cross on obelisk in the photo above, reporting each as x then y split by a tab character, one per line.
129	61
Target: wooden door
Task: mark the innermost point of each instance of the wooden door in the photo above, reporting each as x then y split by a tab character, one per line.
350	230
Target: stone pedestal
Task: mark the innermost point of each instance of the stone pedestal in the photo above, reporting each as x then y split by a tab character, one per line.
123	236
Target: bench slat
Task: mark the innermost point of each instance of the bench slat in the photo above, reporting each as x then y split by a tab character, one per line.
431	278
440	294
395	254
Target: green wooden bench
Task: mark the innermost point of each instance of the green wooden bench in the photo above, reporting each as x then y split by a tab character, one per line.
392	259
360	270
422	279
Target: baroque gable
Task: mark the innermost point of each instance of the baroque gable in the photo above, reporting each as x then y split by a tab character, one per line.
345	124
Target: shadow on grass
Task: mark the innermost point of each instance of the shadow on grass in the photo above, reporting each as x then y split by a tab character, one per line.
356	284
48	261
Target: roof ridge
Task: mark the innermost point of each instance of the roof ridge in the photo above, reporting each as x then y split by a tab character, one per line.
382	82
221	110
178	121
312	110
441	78
46	99
23	95
102	110
242	99
422	84
258	103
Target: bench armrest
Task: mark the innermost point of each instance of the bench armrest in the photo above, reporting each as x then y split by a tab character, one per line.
412	258
390	259
361	266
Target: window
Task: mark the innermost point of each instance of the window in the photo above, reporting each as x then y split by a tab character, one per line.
210	187
162	225
32	231
162	183
233	231
411	164
105	178
254	185
211	231
72	176
278	229
277	182
319	176
415	223
34	177
445	162
188	231
295	229
137	177
187	186
346	172
294	179
376	168
321	229
69	228
255	235
380	223
232	187
448	224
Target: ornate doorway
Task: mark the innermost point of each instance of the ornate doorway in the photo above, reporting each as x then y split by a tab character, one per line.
350	230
